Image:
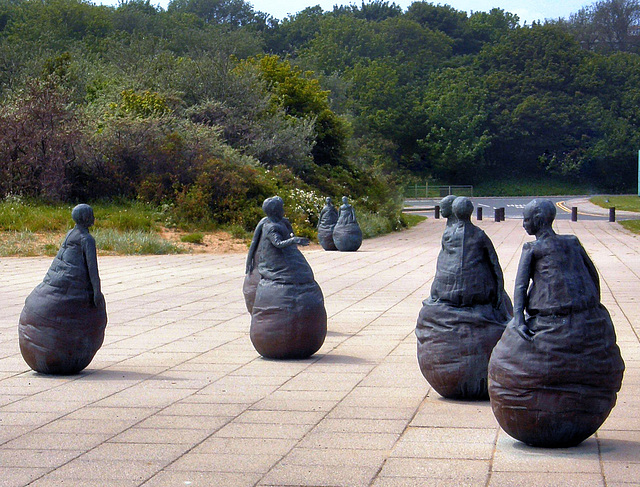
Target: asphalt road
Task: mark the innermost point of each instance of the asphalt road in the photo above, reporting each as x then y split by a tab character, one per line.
513	207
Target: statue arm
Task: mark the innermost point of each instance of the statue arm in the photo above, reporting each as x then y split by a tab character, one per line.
523	277
279	243
91	260
254	246
321	216
591	268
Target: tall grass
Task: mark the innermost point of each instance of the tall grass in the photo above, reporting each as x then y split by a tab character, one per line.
126	227
28	244
133	242
17	214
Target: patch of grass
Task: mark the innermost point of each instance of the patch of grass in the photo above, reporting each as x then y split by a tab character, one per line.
133	242
127	215
631	225
29	244
628	202
412	220
194	238
18	215
533	187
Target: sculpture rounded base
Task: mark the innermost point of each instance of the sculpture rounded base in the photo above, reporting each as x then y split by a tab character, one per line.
454	346
552	428
249	288
557	389
325	238
347	238
62	347
289	321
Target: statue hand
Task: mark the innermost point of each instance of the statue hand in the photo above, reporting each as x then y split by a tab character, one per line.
523	330
301	241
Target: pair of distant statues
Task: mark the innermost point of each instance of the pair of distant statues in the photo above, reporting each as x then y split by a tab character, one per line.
339	230
550	365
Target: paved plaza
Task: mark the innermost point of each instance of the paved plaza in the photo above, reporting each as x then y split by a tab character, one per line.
177	395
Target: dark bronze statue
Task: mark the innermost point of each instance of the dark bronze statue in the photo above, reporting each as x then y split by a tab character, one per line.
326	223
63	321
464	317
347	234
555	373
288	317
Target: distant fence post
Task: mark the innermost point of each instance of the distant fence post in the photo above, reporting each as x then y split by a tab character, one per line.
612	214
479	213
574	213
436	212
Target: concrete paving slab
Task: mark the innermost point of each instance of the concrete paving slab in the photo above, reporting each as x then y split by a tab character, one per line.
178	396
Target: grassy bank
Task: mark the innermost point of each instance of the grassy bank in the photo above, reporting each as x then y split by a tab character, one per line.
537	187
129	228
627	202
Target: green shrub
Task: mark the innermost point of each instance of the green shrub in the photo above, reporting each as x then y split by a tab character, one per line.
226	193
373	224
194	238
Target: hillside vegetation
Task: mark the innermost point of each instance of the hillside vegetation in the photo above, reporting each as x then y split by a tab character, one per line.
208	107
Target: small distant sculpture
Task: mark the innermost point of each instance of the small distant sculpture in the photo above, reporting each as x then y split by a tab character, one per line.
467	312
326	223
347	234
555	373
288	317
63	321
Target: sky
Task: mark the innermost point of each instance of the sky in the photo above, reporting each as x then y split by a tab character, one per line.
526	10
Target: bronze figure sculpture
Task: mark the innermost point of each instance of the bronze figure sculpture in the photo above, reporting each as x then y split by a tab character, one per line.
326	223
463	319
555	373
63	320
347	234
288	317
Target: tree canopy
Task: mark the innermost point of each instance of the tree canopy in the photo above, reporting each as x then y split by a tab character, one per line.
139	101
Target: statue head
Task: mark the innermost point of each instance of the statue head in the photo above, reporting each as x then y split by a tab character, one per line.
328	200
273	207
538	214
345	200
83	215
462	208
446	209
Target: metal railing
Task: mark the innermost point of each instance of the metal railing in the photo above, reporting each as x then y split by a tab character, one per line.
431	191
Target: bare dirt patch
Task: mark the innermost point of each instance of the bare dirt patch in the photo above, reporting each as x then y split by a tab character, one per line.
217	242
